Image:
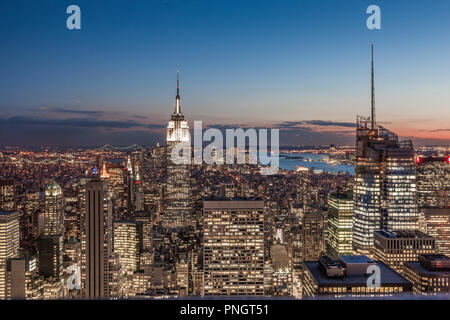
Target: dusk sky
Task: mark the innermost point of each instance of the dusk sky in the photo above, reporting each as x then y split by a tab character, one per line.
301	66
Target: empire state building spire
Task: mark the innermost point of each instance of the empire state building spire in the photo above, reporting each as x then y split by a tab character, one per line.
177	103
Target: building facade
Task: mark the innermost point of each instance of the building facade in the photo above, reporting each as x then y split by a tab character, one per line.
348	277
433	181
430	275
100	269
437	222
395	248
233	257
9	244
340	224
7	195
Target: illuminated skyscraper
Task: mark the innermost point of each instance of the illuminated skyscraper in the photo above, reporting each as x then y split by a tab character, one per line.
385	193
178	204
312	235
7	195
303	187
126	245
54	210
139	200
9	243
437	222
395	248
430	275
433	181
340	222
233	247
129	187
100	269
51	242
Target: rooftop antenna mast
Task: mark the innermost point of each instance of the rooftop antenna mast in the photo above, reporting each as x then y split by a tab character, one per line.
373	96
177	104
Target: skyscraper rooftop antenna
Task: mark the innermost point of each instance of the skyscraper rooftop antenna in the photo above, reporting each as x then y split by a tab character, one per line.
177	103
373	97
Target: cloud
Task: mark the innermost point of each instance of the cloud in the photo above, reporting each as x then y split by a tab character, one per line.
77	132
440	130
73	111
295	124
78	122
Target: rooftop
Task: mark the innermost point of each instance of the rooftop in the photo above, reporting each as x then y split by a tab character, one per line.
355	259
388	276
415	234
417	266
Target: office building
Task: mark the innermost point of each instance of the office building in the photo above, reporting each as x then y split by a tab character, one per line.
19	277
100	269
233	257
282	282
51	243
9	244
303	187
340	224
54	210
437	222
348	277
430	275
312	235
395	248
126	245
7	195
433	181
385	192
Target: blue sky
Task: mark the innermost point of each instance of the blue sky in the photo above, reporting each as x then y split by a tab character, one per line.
248	63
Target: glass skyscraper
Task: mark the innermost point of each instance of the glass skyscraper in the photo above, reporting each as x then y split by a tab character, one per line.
385	191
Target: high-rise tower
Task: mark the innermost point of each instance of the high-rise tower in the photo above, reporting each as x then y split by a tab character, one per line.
54	214
385	195
9	244
51	242
101	274
178	205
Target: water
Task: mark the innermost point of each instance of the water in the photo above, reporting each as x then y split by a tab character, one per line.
317	161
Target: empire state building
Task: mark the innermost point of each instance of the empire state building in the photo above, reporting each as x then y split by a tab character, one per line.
177	211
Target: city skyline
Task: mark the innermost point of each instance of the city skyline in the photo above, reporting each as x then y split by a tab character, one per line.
242	65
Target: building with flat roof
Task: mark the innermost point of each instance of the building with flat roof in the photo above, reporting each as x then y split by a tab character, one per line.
430	275
349	277
233	257
340	222
394	248
437	222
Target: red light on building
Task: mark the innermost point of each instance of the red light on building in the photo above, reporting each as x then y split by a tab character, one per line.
418	160
138	182
448	159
